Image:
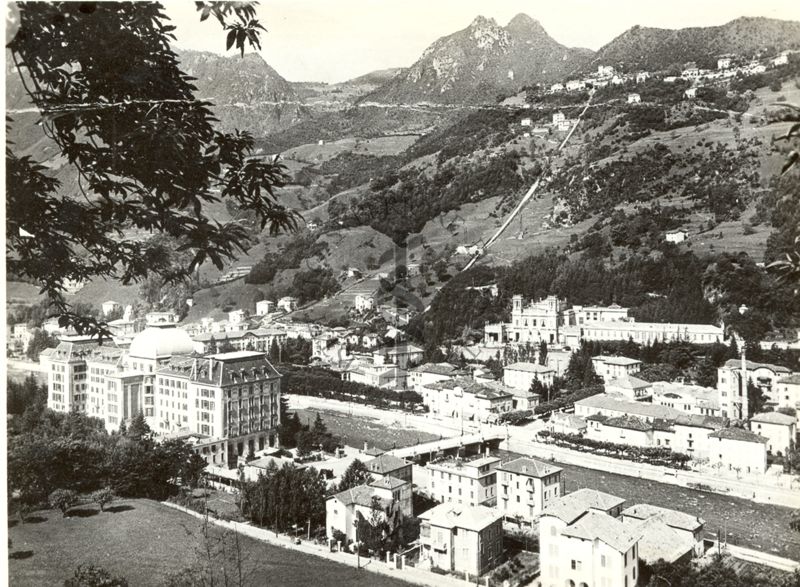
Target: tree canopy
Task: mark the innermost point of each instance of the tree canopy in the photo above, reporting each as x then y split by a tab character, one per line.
144	149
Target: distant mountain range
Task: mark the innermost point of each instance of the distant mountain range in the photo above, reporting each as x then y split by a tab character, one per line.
246	92
477	63
643	48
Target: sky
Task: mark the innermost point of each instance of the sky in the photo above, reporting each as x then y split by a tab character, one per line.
336	40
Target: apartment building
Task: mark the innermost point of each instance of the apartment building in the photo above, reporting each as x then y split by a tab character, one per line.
522	375
468	399
608	367
732	379
460	481
780	430
581	541
462	538
423	375
525	486
787	392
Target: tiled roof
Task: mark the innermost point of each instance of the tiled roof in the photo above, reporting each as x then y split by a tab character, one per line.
629	423
436	368
388	483
697	421
571	506
774	418
670	517
596	525
660	541
361	495
792	379
641	409
450	515
738	434
529	367
570	420
751	365
385	464
529	467
625	361
629	382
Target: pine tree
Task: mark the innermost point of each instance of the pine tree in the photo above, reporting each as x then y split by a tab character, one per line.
542	353
355	475
138	428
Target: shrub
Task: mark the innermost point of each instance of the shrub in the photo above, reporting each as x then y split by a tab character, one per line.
63	499
91	576
103	497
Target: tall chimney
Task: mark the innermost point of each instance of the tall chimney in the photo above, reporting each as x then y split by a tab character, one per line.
743	411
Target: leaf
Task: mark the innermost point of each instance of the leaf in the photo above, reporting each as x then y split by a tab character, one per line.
230	40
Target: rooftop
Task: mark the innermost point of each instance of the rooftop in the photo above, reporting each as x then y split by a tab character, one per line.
236	355
436	369
624	361
450	515
792	379
660	541
642	409
629	422
573	505
738	434
385	464
629	382
388	483
774	418
596	525
751	365
529	367
670	517
697	421
361	495
529	467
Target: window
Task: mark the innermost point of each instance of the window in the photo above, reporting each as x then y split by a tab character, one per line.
603	560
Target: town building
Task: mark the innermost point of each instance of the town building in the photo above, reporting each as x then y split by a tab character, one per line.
383	376
467	399
642	76
564	423
421	376
634	98
779	429
110	307
257	339
649	332
729	383
723	63
344	510
676	236
581	541
608	367
462	538
787	392
404	356
579	315
557	88
387	465
287	304
363	303
690	435
686	535
265	307
629	387
691	94
690	399
460	481
229	400
525	486
558	118
737	449
612	406
627	429
522	375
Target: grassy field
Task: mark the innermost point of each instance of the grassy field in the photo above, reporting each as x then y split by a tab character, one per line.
145	541
752	525
358	430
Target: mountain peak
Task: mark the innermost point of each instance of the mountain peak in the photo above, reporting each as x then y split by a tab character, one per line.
523	26
482	22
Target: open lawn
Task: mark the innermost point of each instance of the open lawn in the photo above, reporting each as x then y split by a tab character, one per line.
144	541
355	431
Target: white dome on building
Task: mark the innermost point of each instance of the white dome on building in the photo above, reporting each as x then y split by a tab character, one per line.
156	343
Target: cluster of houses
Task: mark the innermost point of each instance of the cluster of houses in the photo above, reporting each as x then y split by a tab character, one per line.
586	536
728	66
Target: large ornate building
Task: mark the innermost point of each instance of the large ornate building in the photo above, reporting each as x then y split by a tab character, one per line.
227	403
